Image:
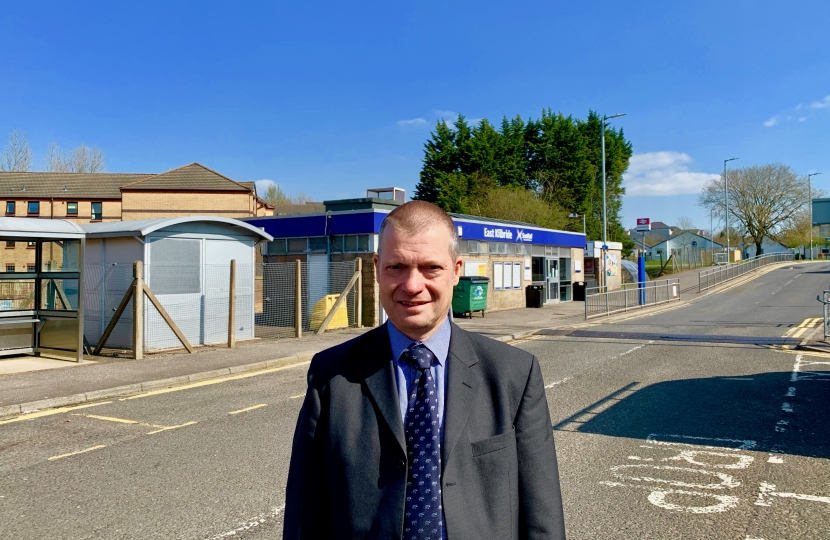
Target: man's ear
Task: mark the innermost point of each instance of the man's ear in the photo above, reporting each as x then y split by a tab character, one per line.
457	270
376	260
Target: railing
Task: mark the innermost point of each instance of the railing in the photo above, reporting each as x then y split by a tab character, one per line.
648	293
825	300
709	278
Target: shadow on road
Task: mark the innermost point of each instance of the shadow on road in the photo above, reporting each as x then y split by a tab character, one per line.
721	411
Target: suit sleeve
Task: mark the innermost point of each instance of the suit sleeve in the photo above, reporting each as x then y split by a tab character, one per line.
305	494
540	498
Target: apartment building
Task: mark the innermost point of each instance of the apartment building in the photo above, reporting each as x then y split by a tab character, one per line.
98	197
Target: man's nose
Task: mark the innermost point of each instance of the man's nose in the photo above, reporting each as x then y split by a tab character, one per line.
413	283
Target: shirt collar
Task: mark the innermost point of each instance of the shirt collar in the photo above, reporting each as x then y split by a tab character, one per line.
438	343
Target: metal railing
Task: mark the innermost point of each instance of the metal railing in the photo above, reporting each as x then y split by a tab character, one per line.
825	300
709	278
648	293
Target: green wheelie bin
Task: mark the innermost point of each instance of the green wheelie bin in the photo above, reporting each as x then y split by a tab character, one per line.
470	295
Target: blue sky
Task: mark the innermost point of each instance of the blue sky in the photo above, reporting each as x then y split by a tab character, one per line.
330	98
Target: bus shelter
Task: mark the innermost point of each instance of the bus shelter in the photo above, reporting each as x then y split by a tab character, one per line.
41	287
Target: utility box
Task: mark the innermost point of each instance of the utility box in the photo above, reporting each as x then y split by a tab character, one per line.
322	309
535	296
470	295
734	255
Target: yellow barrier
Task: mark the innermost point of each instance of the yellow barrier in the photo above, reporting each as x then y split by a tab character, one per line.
321	310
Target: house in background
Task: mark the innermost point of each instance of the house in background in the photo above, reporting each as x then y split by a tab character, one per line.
686	240
192	190
769	246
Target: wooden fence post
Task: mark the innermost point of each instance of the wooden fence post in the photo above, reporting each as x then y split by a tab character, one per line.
138	311
298	300
359	299
232	307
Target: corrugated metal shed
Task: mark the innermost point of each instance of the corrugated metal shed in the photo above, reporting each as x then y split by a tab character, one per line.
39	228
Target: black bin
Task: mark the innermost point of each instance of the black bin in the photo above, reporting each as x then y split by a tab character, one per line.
535	296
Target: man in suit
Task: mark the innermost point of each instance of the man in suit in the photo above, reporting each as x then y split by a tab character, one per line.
419	429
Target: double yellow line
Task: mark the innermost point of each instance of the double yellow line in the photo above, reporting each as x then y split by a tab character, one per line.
797	331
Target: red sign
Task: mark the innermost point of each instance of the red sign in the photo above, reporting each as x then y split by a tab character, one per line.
643	224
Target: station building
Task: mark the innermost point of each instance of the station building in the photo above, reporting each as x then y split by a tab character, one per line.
511	254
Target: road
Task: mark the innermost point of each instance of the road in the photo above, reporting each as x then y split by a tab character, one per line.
699	421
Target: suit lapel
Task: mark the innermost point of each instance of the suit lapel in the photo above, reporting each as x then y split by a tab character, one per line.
463	382
382	384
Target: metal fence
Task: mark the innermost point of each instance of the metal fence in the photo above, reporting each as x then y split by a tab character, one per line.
197	300
709	278
626	299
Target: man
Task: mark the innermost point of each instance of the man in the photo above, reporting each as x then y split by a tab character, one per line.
419	429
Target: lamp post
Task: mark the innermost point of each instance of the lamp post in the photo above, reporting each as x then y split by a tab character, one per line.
575	215
810	202
726	203
602	137
712	232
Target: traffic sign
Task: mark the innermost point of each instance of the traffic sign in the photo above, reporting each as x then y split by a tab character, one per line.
694	243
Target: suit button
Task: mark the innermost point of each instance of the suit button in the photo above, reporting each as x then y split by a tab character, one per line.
401	465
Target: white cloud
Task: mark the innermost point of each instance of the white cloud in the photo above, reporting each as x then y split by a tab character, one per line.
657	174
262	186
415	122
771	122
800	119
445	114
821	104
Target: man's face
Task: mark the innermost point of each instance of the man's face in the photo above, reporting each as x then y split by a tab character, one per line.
416	275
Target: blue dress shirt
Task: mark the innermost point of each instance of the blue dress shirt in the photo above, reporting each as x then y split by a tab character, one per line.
439	344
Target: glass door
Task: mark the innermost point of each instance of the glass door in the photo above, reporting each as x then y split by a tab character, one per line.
552	279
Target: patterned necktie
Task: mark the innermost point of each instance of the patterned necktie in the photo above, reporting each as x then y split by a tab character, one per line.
424	518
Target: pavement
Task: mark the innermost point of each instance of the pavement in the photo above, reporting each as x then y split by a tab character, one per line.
67	383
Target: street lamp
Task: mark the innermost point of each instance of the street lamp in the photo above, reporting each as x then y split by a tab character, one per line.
810	201
726	202
604	223
575	215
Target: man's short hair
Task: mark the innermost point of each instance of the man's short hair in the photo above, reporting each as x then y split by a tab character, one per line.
416	216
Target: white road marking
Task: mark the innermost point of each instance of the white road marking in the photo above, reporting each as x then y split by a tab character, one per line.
251	523
85	450
775	459
629	351
744	444
657	497
786	407
791	391
555	383
726	480
769	490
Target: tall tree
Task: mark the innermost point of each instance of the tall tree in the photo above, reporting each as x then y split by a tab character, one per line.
18	154
763	199
82	159
439	161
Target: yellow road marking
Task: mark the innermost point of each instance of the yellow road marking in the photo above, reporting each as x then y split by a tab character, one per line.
800	330
110	418
215	381
809	353
297	396
251	408
168	428
50	412
78	452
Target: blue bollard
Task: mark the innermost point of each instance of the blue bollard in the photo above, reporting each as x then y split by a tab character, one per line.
641	277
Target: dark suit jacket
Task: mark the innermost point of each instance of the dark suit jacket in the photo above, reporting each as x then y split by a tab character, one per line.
347	477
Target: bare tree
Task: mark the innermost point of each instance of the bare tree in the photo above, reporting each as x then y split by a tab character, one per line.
55	160
685	223
275	195
762	199
18	154
82	159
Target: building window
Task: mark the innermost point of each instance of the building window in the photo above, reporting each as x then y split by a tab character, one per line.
72	208
30	268
30	245
297	245
277	247
10	244
34	208
96	211
10	207
9	268
318	245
